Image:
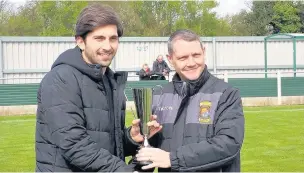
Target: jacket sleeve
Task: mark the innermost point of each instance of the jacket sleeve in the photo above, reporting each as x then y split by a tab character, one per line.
130	146
62	104
155	68
141	73
223	146
167	67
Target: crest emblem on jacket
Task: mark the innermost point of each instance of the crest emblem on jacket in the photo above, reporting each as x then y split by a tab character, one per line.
204	114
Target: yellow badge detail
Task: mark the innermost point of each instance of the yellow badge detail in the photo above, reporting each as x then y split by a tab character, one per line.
204	115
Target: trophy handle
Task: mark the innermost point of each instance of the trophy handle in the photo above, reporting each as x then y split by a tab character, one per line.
159	100
159	86
128	100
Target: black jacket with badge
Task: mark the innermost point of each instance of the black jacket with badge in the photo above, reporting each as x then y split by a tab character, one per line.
203	124
81	118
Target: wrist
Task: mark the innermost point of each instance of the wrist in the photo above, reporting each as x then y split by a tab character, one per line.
131	137
169	159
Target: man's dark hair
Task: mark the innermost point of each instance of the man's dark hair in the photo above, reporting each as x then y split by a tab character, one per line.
96	15
184	34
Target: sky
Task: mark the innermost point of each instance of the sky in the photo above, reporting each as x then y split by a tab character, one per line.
225	6
230	7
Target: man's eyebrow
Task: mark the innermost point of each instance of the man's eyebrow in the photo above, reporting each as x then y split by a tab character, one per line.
102	36
99	36
183	56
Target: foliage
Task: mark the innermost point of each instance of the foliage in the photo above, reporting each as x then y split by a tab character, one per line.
139	18
286	17
155	18
269	17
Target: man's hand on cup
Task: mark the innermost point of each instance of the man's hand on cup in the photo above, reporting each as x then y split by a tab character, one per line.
158	157
154	127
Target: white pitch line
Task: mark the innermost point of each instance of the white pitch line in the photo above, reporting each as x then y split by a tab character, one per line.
249	111
276	110
13	121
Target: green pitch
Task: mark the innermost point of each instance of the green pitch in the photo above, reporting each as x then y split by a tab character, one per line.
274	140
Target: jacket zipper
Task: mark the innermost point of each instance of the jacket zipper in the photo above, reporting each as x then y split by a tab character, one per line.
182	106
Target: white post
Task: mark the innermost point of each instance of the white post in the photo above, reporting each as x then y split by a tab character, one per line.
279	85
214	55
1	64
226	76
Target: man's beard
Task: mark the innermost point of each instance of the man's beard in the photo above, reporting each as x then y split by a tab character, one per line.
93	58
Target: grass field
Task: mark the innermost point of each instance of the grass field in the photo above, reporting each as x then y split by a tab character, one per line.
274	141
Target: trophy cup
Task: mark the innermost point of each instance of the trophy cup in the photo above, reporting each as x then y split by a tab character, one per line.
143	104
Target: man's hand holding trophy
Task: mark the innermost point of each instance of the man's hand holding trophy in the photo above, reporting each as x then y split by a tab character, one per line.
144	126
152	125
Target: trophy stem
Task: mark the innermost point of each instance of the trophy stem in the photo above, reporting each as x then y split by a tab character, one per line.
146	142
145	145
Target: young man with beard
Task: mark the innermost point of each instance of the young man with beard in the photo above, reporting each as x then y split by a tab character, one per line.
81	105
202	116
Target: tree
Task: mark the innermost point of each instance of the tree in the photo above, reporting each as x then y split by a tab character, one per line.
286	17
239	25
139	18
59	17
6	11
300	6
25	22
259	17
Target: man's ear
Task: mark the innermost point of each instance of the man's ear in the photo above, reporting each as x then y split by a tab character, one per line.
80	42
204	52
169	58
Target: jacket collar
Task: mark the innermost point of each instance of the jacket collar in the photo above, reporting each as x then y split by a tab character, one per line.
190	87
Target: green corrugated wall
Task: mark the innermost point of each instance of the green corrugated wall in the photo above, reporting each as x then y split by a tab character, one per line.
18	94
293	86
26	94
256	87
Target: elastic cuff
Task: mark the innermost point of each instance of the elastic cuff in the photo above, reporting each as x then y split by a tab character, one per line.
174	161
129	138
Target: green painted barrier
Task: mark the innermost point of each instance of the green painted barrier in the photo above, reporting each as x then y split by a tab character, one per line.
26	94
292	86
18	94
255	87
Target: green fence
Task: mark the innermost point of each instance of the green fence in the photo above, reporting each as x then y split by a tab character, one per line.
26	94
256	87
293	86
18	94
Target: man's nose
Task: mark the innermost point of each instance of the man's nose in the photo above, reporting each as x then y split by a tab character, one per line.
191	61
106	45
